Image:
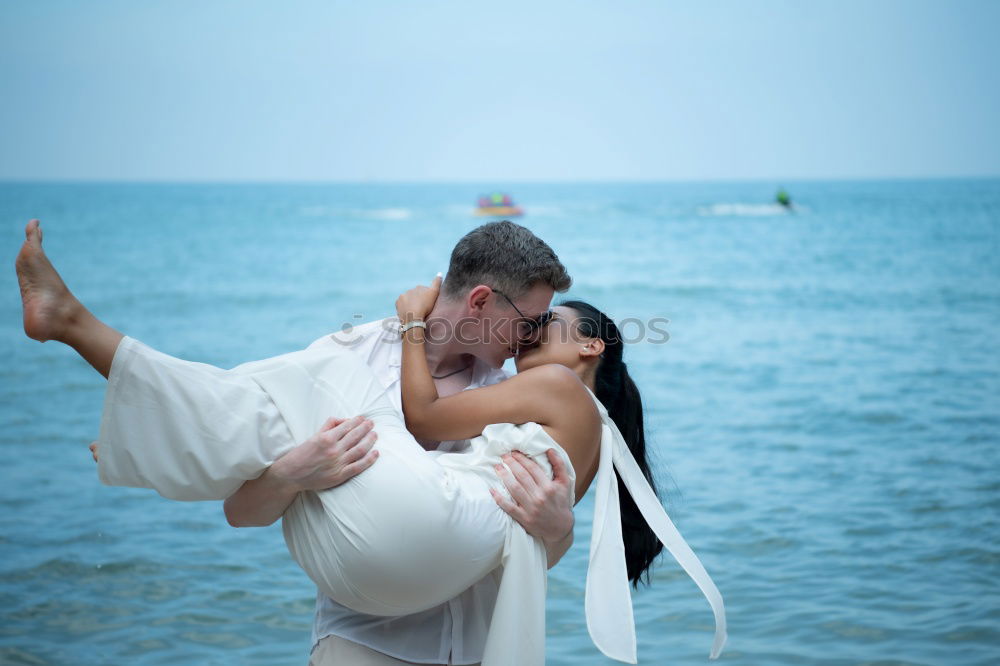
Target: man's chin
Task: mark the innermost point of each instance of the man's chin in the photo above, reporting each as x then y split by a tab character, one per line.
503	356
495	361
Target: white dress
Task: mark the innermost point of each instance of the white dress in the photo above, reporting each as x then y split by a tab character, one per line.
410	532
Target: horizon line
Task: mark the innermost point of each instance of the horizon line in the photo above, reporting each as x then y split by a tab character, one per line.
443	181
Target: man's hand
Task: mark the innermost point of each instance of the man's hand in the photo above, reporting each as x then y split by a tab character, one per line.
341	450
541	505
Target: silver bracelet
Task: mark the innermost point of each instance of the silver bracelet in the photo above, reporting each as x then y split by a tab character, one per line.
416	323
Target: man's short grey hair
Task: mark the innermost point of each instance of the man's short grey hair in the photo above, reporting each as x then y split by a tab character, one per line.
506	257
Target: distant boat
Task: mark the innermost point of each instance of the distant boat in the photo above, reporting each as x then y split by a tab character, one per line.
498	205
783	198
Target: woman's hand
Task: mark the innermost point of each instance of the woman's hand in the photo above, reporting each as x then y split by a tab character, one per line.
418	302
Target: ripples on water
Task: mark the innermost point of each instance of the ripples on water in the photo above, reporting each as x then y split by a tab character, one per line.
825	416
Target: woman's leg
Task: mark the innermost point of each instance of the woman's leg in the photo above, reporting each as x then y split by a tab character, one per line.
192	431
188	430
52	312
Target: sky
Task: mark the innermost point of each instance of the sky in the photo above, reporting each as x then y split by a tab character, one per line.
546	90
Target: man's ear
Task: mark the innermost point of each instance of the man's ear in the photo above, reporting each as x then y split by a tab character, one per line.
592	347
477	299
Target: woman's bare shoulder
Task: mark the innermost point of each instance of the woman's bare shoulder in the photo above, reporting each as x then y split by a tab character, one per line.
559	379
553	375
575	422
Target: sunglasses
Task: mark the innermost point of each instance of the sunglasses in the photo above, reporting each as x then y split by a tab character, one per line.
532	324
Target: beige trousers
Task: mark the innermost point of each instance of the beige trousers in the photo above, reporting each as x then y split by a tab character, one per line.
337	651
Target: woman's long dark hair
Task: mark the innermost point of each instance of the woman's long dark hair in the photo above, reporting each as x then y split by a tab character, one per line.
620	396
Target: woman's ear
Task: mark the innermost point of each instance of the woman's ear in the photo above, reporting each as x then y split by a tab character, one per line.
592	347
477	298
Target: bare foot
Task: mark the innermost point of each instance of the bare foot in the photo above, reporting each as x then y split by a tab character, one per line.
48	305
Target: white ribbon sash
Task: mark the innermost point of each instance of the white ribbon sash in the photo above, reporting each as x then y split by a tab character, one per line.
608	602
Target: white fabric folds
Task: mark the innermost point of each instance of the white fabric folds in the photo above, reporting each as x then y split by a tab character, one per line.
409	533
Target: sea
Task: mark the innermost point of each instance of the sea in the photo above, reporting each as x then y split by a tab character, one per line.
821	385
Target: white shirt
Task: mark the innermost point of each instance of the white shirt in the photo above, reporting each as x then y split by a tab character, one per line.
454	632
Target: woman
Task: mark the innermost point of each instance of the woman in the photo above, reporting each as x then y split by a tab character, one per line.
376	543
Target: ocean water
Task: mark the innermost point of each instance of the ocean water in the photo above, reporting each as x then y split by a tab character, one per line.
825	415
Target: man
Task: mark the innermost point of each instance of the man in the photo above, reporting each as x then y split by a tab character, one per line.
500	280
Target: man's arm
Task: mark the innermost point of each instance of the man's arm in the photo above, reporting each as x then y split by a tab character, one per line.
555	551
260	502
540	504
341	450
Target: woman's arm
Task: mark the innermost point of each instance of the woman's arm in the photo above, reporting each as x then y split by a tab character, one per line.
540	394
551	395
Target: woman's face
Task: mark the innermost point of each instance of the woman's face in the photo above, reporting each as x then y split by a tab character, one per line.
559	342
